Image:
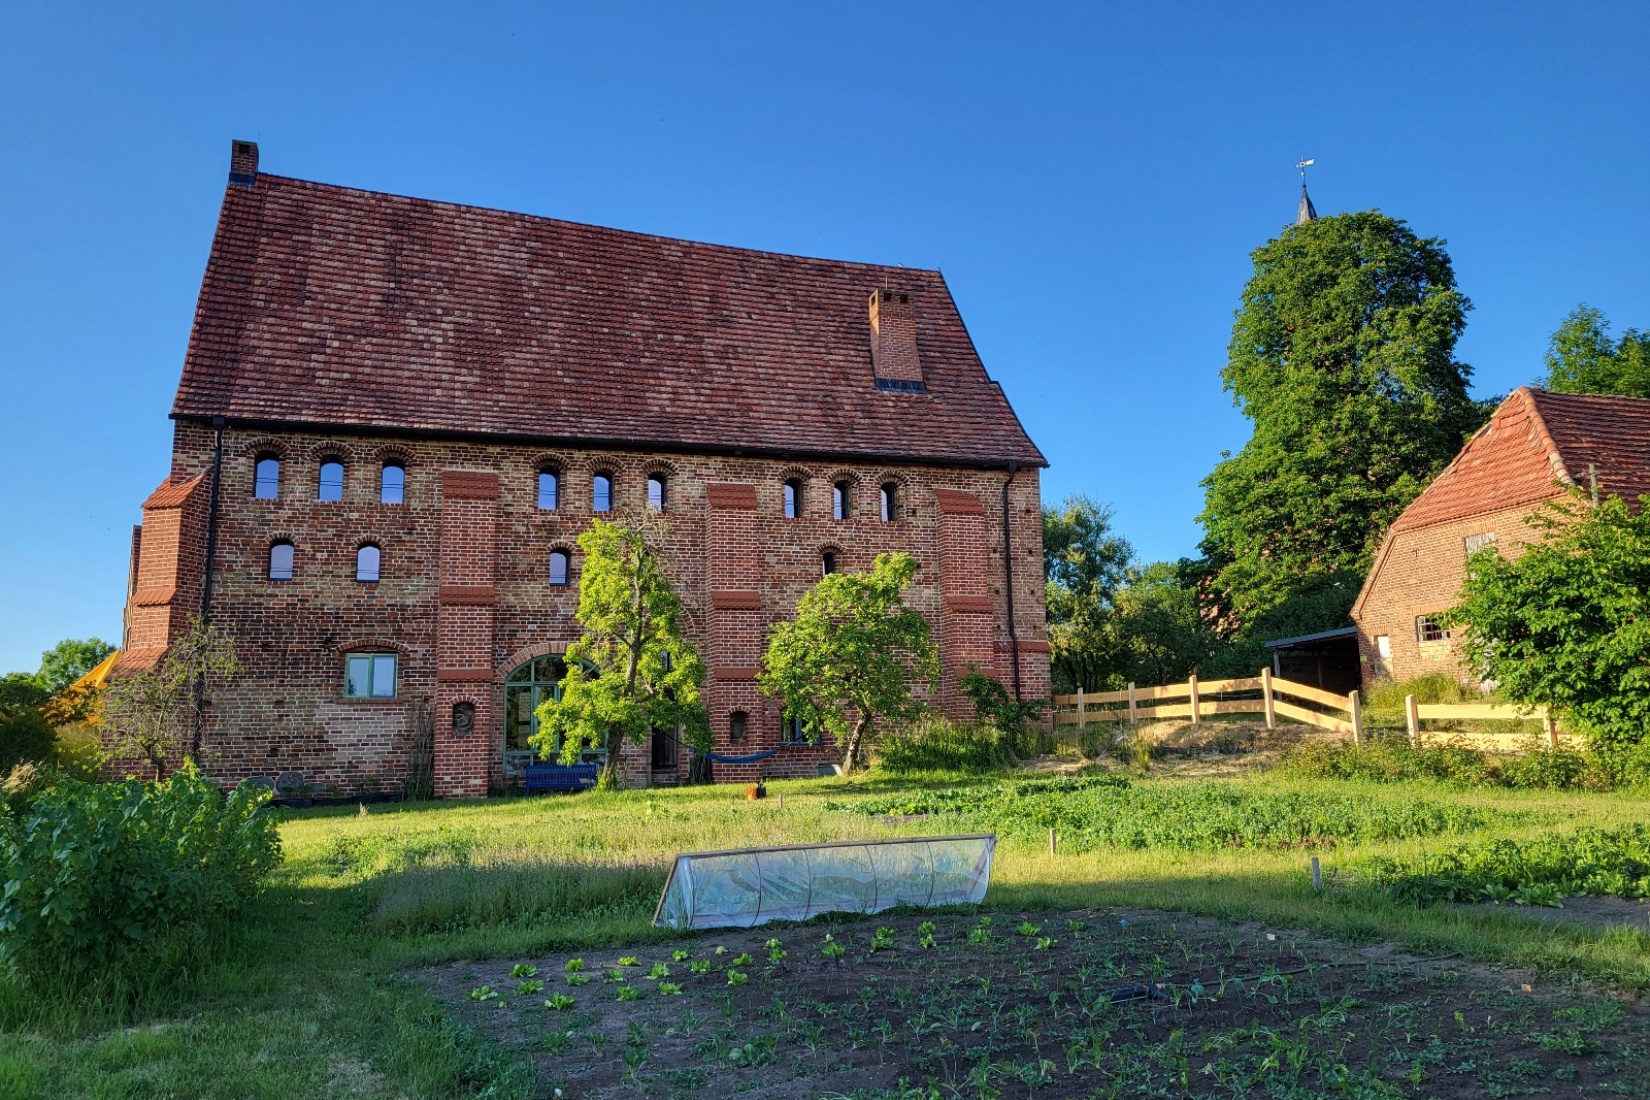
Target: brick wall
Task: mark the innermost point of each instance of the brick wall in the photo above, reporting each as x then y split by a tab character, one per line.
1420	572
464	588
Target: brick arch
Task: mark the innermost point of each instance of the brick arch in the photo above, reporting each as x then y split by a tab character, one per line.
391	452
331	448
267	444
370	644
538	649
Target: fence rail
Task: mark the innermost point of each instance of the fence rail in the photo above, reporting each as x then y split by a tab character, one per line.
1275	697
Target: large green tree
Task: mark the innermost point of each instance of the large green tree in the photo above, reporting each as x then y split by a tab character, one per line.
1343	358
69	660
1568	623
632	670
1085	562
852	655
1583	358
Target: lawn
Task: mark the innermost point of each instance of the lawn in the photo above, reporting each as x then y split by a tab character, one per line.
353	977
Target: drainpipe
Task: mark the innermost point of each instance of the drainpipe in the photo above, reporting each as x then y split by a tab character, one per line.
206	581
1008	580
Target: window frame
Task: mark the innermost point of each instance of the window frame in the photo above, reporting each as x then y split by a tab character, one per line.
291	562
553	476
566	567
598	481
827	562
384	486
842	501
888	499
373	661
1430	624
791	732
377	563
321	484
791	498
663	482
259	481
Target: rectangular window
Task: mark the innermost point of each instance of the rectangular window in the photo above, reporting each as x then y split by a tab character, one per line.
1383	647
1475	543
369	676
791	732
1429	628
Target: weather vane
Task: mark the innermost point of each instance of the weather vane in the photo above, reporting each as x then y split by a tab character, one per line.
1303	166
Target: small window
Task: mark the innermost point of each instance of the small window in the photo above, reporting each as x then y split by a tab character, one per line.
793	499
601	493
266	481
369	676
1383	647
656	493
890	503
738	727
392	484
331	486
549	491
558	568
792	732
841	500
1475	543
827	562
280	561
366	564
1430	628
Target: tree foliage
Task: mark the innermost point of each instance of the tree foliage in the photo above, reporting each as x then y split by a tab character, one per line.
1342	356
632	671
852	655
154	713
1583	358
1159	633
1568	623
68	661
1084	564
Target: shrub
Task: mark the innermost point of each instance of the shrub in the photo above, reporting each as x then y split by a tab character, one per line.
108	886
935	743
992	704
1390	760
1598	862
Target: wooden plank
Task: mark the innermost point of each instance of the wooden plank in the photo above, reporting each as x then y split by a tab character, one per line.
1242	683
1312	717
1309	693
1166	691
1478	712
1235	706
1091	698
1167	710
1069	717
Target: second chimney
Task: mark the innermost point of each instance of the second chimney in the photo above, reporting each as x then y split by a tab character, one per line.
894	339
243	163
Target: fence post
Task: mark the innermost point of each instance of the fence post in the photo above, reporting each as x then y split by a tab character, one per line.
1412	718
1191	684
1131	703
1266	695
1356	705
1549	727
1080	722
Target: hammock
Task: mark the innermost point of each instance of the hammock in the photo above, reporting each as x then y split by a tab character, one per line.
720	759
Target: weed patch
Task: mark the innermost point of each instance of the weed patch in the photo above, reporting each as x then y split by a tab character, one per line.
1540	871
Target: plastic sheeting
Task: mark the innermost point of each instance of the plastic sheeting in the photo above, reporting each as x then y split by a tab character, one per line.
751	886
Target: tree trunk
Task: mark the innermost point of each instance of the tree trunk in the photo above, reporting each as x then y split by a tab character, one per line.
609	779
851	753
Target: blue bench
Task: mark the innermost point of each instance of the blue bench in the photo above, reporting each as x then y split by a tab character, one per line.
560	777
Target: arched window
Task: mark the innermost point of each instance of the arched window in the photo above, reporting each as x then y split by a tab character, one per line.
549	491
392	484
793	499
558	568
524	689
890	503
738	726
601	493
656	493
280	561
842	494
331	485
366	564
827	562
266	481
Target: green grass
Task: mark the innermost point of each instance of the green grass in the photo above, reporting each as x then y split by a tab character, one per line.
312	1002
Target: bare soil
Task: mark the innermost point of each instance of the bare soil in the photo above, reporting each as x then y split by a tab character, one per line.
1070	1004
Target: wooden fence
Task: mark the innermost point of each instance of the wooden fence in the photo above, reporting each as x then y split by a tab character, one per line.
1274	697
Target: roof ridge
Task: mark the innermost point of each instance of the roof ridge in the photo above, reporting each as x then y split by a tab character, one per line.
1555	456
664	237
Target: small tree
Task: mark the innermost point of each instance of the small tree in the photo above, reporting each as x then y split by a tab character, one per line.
1568	623
631	671
151	713
851	655
69	660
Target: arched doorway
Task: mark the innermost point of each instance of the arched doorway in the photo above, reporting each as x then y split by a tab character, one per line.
524	689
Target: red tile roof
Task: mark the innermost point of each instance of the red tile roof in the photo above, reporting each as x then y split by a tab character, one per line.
1535	445
329	306
172	495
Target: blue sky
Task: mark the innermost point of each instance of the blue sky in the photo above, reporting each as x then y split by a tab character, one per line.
1091	178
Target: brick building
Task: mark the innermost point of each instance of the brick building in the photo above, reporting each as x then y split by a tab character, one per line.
397	415
1536	447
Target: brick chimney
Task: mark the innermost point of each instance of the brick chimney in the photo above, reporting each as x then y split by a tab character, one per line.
894	341
243	163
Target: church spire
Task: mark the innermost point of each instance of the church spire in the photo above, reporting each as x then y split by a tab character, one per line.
1305	212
